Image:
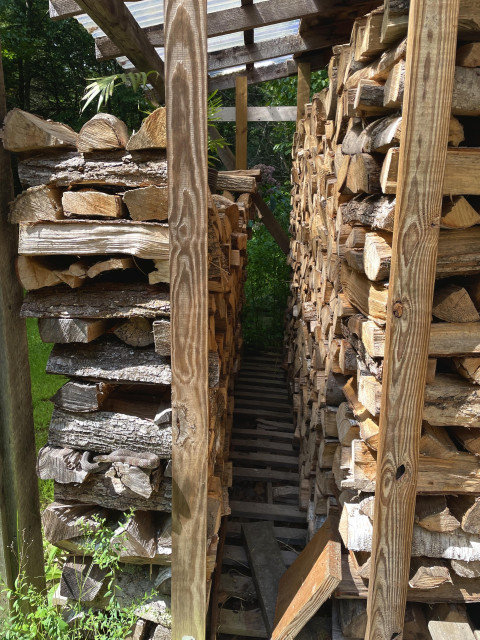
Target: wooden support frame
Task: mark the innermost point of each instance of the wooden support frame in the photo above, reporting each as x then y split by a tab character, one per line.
431	47
186	90
303	87
20	525
241	122
260	114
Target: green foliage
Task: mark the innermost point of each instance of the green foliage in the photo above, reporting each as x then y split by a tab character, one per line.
102	88
34	616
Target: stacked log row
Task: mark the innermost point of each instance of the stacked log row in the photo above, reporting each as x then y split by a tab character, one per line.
94	259
344	176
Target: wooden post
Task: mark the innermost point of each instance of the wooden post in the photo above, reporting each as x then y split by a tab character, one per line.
241	95
432	39
303	87
19	504
186	91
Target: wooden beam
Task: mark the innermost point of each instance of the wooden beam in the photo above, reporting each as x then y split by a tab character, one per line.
225	154
20	526
274	71
272	224
121	27
244	18
62	9
303	87
261	114
249	34
241	124
428	89
308	582
186	65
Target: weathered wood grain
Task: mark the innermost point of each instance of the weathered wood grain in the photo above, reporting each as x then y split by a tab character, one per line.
428	89
241	122
186	66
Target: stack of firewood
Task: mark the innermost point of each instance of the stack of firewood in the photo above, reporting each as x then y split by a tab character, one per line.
94	259
345	164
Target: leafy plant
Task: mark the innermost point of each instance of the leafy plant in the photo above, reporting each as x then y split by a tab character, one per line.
102	88
35	616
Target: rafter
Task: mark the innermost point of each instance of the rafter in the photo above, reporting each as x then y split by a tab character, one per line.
118	23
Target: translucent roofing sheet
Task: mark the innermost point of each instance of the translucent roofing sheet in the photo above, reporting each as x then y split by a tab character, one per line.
150	12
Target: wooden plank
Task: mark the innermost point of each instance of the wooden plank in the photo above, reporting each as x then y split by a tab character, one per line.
303	88
242	623
264	511
116	21
186	66
308	582
235	555
244	18
289	535
19	508
272	224
261	114
428	89
62	9
266	565
264	475
224	153
241	127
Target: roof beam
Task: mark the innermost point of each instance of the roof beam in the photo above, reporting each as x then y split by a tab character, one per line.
62	9
271	72
242	18
118	23
260	114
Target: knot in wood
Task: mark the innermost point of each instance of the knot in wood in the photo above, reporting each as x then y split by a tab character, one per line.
398	309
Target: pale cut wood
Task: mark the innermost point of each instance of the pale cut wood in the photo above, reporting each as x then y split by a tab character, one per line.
460	173
394	87
260	114
91	203
64	330
428	89
161	272
24	131
112	264
109	360
425	574
104	432
453	304
114	168
141	239
448	623
457	213
236	181
308	582
147	203
112	300
379	69
433	514
152	133
80	396
37	203
468	368
186	66
241	120
467	510
369	297
35	273
103	132
466	569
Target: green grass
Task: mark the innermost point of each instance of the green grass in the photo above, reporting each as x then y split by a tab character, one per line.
43	388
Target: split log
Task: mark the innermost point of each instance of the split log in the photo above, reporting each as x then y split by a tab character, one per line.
374	211
104	491
136	332
457	213
162	337
35	273
35	204
468	368
109	360
466	569
133	478
147	203
60	464
80	396
428	574
449	400
369	297
356	531
98	300
239	181
364	174
103	132
66	521
24	132
81	579
72	237
433	514
467	510
112	264
461	172
64	330
161	273
453	304
152	133
105	432
394	86
368	100
115	168
91	203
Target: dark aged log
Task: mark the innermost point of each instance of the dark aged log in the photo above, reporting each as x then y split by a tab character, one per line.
82	396
114	168
105	432
98	300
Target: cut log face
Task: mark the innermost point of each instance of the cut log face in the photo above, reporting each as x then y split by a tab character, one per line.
152	134
35	204
62	465
66	521
84	204
103	132
81	580
453	304
457	213
147	203
23	132
65	330
136	332
79	397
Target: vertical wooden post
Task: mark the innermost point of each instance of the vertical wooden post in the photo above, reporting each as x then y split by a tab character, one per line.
241	96
432	39
19	504
303	87
186	98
